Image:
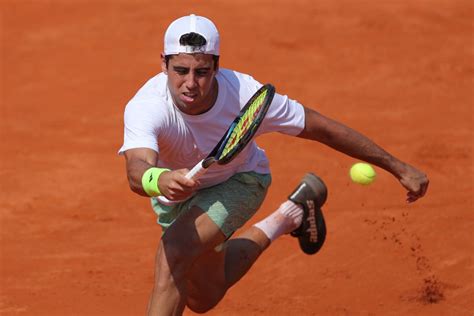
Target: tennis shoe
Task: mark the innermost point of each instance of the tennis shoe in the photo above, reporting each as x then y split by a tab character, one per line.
311	194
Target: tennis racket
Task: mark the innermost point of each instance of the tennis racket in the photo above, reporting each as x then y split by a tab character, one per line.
239	133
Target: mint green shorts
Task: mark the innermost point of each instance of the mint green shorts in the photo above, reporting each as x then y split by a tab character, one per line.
229	204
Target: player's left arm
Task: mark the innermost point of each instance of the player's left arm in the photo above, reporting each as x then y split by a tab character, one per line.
352	143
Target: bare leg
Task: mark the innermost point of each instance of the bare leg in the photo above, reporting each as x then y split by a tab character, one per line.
242	252
215	272
168	296
189	271
192	235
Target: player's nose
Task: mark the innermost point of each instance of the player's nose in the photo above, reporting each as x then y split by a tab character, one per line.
191	81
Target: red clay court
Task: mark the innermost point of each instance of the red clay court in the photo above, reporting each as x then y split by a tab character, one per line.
76	241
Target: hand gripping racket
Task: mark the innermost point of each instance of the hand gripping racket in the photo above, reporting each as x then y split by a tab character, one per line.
239	133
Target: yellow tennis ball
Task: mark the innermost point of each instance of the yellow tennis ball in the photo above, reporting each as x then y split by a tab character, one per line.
362	173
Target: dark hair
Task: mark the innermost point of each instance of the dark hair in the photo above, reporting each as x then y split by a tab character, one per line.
194	40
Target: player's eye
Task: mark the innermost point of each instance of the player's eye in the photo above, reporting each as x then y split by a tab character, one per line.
202	72
181	70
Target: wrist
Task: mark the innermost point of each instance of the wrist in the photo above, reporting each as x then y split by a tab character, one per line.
150	181
396	167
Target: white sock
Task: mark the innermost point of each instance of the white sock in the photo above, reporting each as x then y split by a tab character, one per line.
284	220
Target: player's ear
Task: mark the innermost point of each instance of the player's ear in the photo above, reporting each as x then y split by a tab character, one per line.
164	67
216	65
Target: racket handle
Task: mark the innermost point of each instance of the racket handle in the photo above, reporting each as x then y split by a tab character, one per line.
197	171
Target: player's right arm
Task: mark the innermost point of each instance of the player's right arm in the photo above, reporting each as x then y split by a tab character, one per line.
173	184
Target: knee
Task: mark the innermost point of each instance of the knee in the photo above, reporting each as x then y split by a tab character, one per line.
203	293
199	308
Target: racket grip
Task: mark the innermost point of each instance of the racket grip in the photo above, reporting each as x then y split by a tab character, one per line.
197	171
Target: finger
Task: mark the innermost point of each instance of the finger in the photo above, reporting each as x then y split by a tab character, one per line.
179	191
182	172
178	195
182	181
188	184
424	188
175	188
415	195
412	196
411	199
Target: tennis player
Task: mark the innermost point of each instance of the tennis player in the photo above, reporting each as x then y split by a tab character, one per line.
174	121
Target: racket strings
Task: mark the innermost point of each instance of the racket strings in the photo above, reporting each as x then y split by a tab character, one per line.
244	124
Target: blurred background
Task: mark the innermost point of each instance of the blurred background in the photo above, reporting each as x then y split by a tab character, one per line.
76	241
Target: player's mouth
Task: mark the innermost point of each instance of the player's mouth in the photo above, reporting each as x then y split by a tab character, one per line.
188	97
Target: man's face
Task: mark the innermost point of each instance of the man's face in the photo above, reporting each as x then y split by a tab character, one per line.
191	81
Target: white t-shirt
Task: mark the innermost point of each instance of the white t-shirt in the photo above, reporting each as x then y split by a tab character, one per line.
181	140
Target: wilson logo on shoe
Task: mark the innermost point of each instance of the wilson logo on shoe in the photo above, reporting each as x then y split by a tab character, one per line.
312	230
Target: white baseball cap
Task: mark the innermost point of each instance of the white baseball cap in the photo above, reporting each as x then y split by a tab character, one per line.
191	24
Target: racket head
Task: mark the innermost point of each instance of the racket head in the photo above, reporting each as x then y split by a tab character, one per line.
245	125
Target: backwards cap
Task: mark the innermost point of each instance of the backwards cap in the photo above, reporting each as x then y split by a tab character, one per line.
191	24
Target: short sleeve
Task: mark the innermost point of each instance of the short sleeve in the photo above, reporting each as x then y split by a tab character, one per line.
141	126
285	116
